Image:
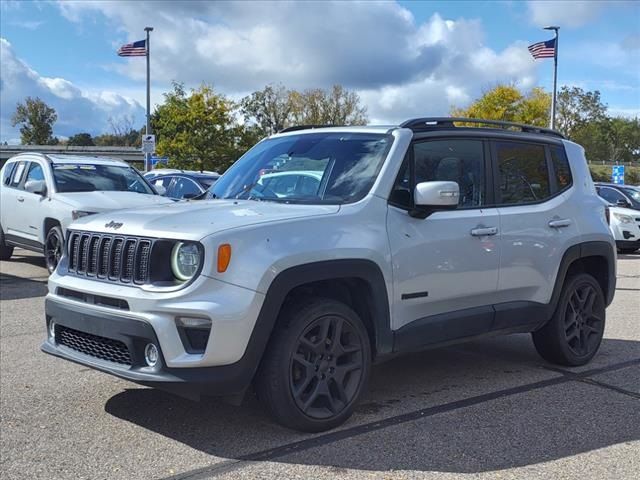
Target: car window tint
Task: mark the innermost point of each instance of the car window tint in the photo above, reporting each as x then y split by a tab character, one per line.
162	182
561	167
308	186
460	161
184	186
17	174
610	195
6	173
35	172
523	173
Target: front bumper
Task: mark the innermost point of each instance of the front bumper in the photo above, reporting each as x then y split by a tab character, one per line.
103	330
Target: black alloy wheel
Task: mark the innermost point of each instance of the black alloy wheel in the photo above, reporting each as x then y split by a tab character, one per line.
584	320
326	367
53	248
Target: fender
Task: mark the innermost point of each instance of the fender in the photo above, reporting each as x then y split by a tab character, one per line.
299	275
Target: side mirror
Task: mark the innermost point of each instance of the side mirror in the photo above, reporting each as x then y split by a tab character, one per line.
160	189
431	197
39	187
622	203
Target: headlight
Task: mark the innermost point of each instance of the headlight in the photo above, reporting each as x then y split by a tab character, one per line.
185	260
622	218
76	214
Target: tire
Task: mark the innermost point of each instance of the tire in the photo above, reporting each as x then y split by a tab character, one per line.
574	333
5	250
53	248
627	251
308	381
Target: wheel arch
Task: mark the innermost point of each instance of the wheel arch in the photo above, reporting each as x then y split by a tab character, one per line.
47	224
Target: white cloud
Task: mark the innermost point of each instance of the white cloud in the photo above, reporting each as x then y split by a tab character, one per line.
566	13
77	110
28	24
400	67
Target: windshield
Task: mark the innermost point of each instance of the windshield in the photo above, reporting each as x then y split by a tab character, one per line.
83	177
315	168
633	193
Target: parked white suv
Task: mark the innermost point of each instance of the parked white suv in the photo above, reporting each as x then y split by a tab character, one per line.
624	224
424	234
42	194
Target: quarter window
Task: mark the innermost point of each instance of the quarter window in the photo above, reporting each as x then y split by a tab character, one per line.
17	174
523	173
561	167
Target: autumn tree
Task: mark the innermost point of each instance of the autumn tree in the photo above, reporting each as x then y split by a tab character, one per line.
270	108
36	119
575	108
508	103
197	130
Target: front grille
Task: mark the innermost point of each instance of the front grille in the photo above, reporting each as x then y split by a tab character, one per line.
98	347
110	257
99	300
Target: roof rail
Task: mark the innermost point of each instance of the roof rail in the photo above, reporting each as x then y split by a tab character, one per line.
304	127
436	123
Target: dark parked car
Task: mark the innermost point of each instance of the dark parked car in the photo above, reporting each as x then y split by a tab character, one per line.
183	185
625	196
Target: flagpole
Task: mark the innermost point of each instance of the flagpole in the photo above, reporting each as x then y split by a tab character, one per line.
147	156
552	123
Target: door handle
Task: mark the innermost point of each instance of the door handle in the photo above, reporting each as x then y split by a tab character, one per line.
484	231
565	222
21	199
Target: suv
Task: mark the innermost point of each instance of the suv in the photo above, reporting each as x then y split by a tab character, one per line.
42	194
424	234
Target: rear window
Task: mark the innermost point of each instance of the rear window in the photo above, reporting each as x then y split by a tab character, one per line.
7	171
523	173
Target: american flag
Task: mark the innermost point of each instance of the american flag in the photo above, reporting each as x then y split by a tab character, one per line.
543	49
135	49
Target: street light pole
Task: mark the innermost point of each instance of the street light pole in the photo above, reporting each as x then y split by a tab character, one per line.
147	156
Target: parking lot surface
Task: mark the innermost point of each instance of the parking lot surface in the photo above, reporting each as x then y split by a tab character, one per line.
487	409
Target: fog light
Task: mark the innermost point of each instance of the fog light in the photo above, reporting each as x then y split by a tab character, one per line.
151	354
193	322
52	329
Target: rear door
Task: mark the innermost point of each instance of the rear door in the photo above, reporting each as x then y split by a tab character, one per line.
533	182
13	200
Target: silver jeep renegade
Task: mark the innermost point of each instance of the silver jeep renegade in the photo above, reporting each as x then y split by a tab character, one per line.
324	250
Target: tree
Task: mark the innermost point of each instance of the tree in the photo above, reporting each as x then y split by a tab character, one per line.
337	106
275	108
197	131
576	108
270	108
507	103
81	140
123	134
37	119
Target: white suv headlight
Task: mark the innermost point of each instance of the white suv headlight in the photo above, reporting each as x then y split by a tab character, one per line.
76	214
185	260
622	218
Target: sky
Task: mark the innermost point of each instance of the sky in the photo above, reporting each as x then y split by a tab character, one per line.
404	58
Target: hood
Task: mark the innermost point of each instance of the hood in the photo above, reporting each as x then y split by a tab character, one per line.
196	220
624	211
103	201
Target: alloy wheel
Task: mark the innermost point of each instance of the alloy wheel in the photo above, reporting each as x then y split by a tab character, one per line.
53	251
326	367
584	320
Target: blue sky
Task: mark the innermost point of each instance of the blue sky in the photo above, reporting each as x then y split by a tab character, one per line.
404	58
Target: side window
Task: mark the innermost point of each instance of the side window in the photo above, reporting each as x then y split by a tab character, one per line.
307	186
17	174
523	173
610	195
460	161
184	186
35	172
6	173
561	167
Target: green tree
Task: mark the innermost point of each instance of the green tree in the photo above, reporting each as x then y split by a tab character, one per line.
336	106
198	131
36	119
123	134
269	108
81	140
576	108
508	103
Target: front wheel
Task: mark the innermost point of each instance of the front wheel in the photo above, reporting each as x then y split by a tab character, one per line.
316	366
5	250
574	333
53	247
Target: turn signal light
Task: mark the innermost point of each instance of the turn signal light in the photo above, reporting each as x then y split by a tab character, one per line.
224	257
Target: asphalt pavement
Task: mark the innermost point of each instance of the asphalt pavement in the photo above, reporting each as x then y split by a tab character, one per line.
486	409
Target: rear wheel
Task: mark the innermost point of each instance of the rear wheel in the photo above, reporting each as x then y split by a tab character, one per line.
316	366
574	333
5	250
53	248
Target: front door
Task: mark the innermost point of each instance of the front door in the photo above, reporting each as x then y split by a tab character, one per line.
445	267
